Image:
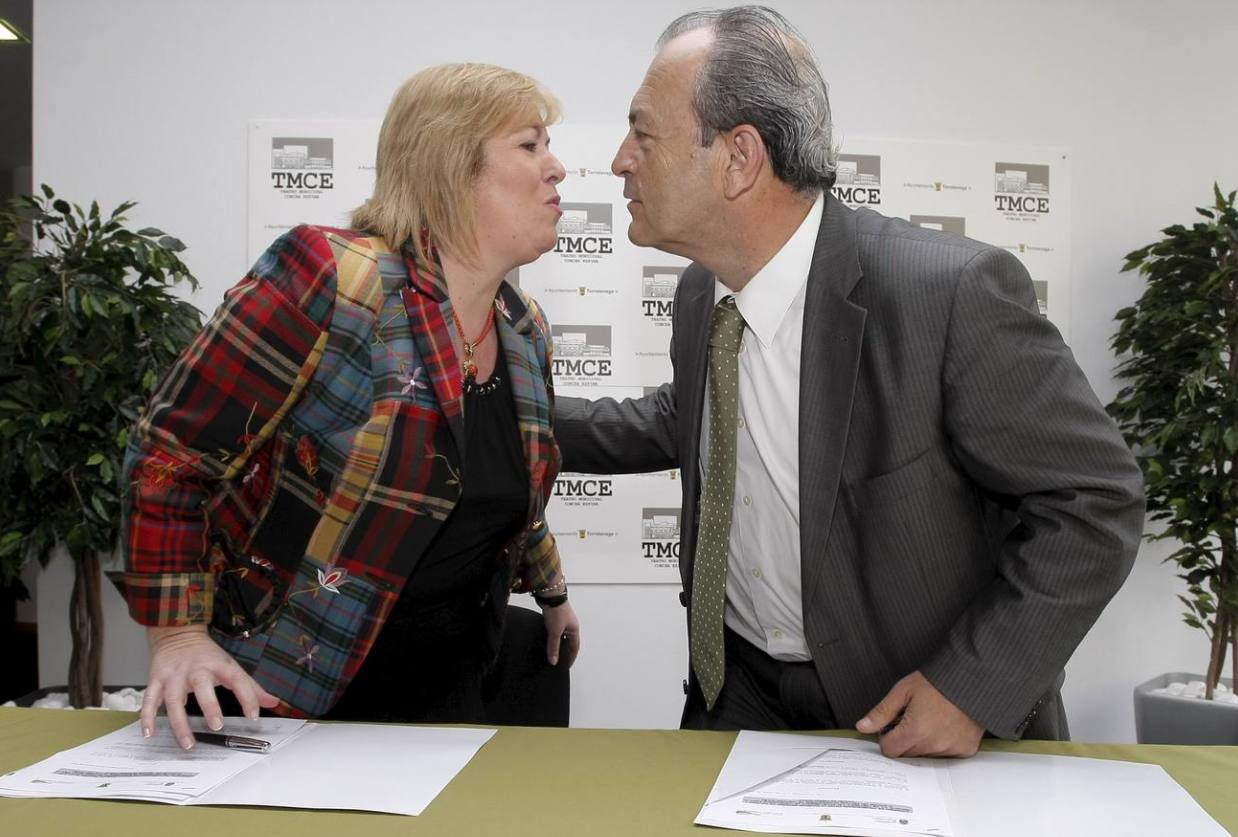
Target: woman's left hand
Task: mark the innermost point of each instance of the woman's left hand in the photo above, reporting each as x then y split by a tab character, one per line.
562	633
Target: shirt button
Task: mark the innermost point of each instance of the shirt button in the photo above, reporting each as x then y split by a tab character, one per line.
777	634
742	423
747	500
756	573
741	348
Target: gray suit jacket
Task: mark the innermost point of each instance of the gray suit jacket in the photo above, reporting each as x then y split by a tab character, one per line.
967	507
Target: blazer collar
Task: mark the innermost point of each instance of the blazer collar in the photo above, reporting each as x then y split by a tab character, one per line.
428	280
836	260
425	279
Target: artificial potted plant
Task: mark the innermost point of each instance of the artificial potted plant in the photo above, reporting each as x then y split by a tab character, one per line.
88	321
1179	412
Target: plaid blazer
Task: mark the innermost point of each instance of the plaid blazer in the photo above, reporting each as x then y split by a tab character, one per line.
295	463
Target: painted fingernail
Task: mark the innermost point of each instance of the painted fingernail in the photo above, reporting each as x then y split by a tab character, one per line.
187	743
251	715
147	732
216	723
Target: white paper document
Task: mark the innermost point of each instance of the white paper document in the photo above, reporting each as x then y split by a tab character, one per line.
392	769
804	784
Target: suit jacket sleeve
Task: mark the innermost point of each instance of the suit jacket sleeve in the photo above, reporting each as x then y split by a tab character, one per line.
220	402
1025	425
540	564
631	436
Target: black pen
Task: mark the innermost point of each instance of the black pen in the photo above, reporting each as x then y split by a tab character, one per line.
233	742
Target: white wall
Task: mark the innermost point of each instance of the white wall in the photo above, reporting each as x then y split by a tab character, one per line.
149	99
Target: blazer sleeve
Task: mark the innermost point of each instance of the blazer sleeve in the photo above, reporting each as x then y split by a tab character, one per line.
632	436
220	402
1025	425
606	436
540	565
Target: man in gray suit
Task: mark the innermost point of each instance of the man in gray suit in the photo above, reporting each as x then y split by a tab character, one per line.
903	505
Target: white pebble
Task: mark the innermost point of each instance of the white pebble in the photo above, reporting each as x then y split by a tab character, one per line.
125	700
53	700
1196	689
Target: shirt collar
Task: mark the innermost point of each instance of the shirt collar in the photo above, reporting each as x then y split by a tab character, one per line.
766	299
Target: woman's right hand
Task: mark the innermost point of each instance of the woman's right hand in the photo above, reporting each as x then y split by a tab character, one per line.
184	659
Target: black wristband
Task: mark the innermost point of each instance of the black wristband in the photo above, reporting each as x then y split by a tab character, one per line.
550	601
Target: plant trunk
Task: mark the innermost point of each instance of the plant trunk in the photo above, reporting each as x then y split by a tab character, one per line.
1220	634
1233	657
86	621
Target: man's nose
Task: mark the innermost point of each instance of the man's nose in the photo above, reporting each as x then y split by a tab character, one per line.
621	166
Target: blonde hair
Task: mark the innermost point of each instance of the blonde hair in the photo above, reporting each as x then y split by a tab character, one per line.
430	151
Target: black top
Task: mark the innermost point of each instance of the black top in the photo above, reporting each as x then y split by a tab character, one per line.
426	662
493	506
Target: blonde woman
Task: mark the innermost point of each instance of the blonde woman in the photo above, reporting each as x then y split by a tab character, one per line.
334	491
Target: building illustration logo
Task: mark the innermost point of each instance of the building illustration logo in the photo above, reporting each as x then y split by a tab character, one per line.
942	223
301	165
660	535
582	352
658	292
1021	189
586	232
859	180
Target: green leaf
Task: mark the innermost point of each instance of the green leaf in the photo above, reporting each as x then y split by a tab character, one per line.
95	459
78	538
106	472
10	541
1230	439
70	360
98	506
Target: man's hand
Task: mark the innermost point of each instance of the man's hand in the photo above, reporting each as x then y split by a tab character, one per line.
925	722
562	633
184	659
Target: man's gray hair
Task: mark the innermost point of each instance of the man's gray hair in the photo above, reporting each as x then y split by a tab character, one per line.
761	72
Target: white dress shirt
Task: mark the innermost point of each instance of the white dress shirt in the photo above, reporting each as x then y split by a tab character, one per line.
764	601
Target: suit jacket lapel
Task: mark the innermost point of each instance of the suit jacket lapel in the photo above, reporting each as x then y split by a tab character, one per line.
691	349
426	301
829	366
524	370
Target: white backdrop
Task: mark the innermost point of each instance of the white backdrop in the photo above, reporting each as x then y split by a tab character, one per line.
151	100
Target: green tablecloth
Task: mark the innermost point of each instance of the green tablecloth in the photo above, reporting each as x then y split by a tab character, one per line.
591	783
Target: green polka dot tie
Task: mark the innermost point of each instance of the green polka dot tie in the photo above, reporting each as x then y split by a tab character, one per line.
709	564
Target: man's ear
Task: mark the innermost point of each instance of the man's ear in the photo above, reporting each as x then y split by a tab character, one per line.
745	160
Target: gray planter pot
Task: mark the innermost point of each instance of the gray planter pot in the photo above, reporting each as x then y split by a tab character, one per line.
1165	719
